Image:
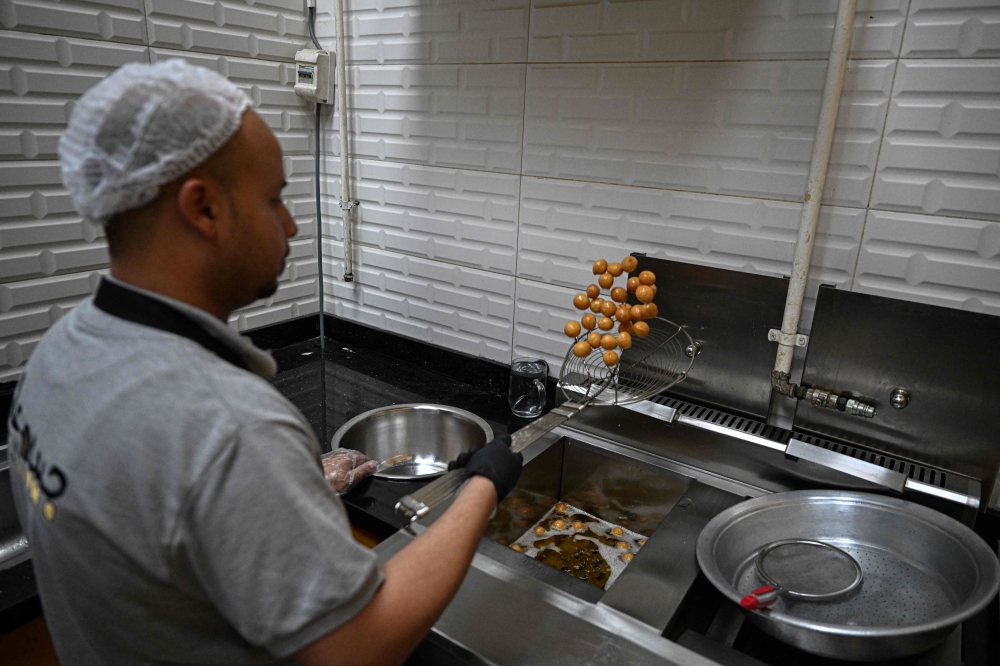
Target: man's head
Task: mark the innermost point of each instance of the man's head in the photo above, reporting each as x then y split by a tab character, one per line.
187	180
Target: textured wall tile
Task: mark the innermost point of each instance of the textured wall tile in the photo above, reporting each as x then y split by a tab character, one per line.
938	260
463	309
463	116
540	313
651	30
565	226
742	128
941	152
270	86
412	31
458	217
108	20
268	29
953	29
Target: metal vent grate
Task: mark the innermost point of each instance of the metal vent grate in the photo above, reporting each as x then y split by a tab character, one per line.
915	471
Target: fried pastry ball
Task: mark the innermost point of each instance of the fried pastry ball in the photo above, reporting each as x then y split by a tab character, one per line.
595	305
619	295
609	342
625	327
623	313
593	290
633	284
627	557
610	359
516	547
606	280
600	266
581	301
629	263
562	508
605	323
644	293
615	269
608	308
624	339
617	531
641	329
637	313
559	524
577	525
647	277
582	349
589	321
642	542
621	545
650	310
594	340
541	530
572	329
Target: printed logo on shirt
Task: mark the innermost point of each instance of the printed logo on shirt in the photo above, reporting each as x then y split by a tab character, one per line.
40	478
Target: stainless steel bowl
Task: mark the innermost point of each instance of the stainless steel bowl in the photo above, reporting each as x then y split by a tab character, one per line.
413	441
924	573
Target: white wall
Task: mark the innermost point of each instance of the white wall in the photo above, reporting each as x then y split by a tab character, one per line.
502	146
50	53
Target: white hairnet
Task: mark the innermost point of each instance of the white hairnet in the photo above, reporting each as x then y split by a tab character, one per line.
142	127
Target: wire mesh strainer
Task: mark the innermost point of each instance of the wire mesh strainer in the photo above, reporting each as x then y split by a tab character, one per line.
803	569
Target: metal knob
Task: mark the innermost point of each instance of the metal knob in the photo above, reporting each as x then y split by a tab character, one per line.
899	398
694	349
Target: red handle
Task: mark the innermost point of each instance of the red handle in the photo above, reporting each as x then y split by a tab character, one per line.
762	597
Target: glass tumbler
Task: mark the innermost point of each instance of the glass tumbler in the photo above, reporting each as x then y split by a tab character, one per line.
527	386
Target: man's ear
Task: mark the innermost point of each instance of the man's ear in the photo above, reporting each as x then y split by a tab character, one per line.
201	206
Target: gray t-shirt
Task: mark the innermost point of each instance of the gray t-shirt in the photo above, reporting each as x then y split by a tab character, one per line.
174	503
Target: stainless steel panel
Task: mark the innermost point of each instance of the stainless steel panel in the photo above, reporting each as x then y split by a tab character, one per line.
947	360
730	313
13	544
880	476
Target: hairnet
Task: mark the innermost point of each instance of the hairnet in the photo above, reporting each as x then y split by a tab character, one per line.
142	127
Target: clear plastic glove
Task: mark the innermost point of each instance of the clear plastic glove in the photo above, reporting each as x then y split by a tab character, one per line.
343	468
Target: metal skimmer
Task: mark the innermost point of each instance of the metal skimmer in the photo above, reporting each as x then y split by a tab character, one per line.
650	366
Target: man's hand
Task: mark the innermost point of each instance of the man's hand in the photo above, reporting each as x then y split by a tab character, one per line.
494	461
344	467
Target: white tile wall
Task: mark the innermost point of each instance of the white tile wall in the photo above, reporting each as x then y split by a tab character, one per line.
459	308
652	30
108	20
463	116
938	260
953	29
266	29
427	31
541	312
728	128
941	152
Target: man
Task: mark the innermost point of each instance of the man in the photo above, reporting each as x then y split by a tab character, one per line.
173	500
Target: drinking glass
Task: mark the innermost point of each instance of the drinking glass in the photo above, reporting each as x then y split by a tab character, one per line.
527	386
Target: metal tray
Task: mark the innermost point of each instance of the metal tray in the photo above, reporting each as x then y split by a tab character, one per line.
924	573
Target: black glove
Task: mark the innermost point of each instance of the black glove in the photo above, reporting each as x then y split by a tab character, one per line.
494	461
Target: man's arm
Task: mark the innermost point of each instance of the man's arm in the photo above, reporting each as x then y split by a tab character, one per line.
420	580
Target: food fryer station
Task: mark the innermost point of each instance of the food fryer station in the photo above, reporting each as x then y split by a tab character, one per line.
720	522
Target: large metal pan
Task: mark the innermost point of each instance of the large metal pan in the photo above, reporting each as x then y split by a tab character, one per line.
413	441
924	573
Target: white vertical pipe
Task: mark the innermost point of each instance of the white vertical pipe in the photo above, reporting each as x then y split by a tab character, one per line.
836	69
346	209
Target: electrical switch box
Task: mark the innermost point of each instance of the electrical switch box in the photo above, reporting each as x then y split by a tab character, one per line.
313	69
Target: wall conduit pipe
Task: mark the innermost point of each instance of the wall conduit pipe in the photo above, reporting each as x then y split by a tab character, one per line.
347	205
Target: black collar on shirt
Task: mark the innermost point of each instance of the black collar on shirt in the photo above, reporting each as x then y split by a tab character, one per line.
132	306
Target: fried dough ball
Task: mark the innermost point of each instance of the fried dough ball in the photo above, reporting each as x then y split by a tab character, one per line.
605	323
594	340
637	313
623	313
610	359
593	290
621	545
516	547
600	266
644	294
642	542
608	308
629	263
633	284
581	301
541	530
559	524
617	531
572	329
589	321
615	269
627	557
609	342
562	508
595	305
582	349
650	310
647	277
641	329
624	339
619	295
606	280
625	327
577	525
